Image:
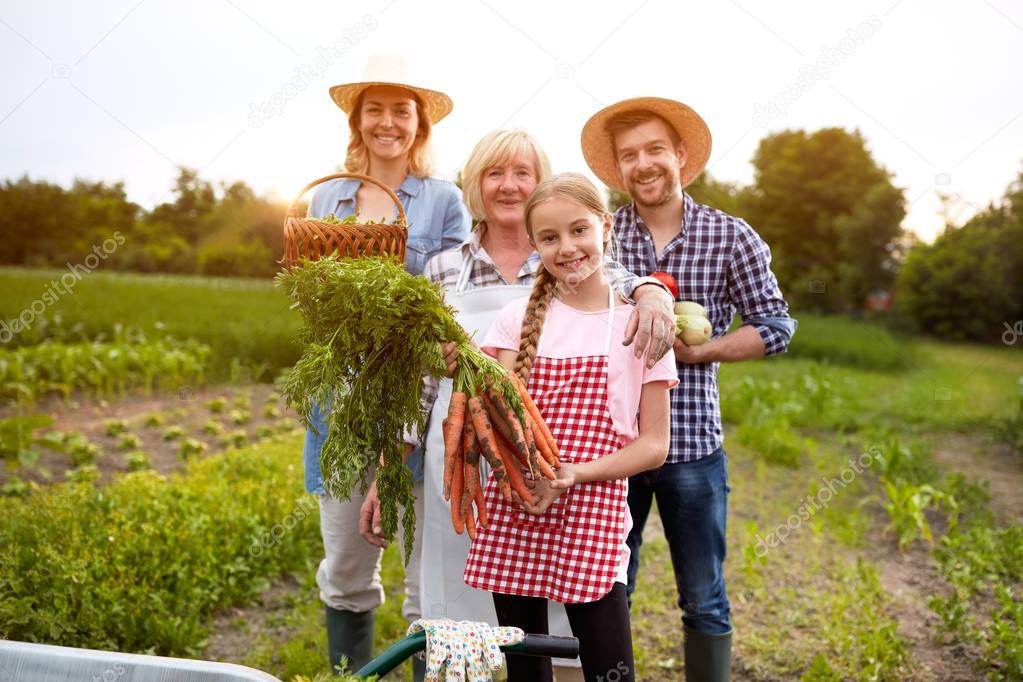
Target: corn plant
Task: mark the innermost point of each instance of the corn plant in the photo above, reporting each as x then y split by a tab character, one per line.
906	504
114	427
16	439
271	411
239	417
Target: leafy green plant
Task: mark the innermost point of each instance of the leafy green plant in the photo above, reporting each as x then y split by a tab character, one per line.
906	504
237	438
239	417
191	544
154	420
84	473
191	447
114	427
212	427
264	431
173	432
81	449
101	369
216	405
128	441
16	439
271	411
17	487
138	461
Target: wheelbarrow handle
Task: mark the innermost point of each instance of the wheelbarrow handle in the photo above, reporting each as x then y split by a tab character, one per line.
532	645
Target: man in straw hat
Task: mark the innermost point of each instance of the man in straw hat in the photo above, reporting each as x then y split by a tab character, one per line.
652	148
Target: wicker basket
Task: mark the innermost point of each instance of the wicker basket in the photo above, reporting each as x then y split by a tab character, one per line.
313	239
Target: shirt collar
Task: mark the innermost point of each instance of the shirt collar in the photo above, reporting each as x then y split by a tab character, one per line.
475	245
689	205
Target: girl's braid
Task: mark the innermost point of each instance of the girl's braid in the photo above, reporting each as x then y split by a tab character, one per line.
532	321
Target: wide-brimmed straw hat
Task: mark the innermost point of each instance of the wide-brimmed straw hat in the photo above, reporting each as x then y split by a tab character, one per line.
395	70
599	148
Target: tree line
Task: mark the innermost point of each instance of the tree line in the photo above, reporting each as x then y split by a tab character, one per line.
830	212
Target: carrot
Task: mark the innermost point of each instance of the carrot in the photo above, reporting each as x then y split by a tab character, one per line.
471	483
488	444
508	424
470	524
539	439
534	412
511	464
448	461
481	508
543	466
456	498
452	436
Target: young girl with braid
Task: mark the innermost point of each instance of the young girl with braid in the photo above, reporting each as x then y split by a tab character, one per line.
609	415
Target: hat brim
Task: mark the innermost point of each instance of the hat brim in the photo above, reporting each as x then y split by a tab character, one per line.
436	105
598	146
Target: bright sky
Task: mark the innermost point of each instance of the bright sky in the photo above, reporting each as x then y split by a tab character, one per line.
125	90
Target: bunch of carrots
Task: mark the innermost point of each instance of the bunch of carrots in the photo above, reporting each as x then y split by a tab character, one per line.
483	420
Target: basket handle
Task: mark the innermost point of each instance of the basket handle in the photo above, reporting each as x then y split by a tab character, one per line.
402	220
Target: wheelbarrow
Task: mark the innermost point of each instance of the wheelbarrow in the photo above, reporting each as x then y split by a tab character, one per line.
27	662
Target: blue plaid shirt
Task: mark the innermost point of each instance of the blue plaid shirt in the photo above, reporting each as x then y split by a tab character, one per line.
720	262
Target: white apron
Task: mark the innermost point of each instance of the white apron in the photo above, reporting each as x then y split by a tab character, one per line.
444	593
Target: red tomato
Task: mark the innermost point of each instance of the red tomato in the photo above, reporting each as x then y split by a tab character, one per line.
668	281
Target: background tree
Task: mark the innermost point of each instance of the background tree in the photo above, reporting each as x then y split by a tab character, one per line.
831	215
968	284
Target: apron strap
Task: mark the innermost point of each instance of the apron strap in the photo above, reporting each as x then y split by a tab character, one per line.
610	320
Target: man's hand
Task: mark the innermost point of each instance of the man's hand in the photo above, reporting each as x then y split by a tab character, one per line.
369	520
451	356
690	355
652	323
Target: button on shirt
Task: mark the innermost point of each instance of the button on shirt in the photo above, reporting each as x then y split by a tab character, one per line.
437	220
720	262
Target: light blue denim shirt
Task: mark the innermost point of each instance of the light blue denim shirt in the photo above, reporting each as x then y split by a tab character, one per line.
437	220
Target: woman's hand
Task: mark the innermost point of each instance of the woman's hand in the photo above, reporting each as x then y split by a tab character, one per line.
369	520
451	355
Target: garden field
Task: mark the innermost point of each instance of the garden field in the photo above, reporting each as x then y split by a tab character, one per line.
152	495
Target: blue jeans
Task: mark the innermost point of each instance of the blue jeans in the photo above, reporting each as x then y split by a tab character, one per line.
692	498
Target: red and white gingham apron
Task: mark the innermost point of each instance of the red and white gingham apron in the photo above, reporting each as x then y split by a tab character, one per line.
571	553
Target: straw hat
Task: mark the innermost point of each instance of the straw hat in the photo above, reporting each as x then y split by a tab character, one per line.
598	147
392	69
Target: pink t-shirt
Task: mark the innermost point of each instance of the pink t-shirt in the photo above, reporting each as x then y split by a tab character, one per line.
571	333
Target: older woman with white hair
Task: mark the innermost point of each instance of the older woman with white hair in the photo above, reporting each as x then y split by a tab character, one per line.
496	265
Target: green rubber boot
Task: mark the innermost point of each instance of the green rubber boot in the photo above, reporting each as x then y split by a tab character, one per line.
349	634
708	657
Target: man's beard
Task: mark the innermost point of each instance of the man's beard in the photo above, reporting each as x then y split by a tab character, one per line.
669	193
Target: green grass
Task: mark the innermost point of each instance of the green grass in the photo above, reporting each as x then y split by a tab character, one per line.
246	323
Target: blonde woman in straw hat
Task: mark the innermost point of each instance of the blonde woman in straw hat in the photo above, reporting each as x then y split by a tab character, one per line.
497	264
652	148
390	117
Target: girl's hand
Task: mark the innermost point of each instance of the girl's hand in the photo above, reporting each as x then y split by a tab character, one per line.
546	491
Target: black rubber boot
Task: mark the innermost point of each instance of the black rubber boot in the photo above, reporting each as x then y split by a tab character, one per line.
349	634
708	657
